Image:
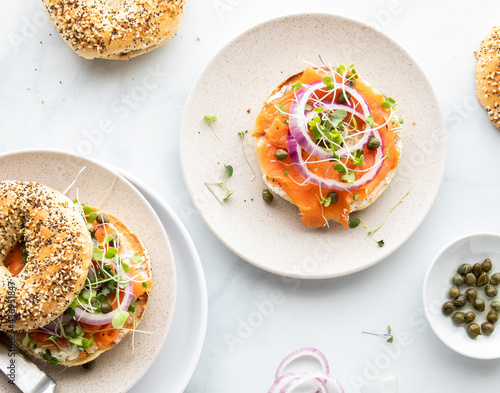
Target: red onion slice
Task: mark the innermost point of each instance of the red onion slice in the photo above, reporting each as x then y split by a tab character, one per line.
102	319
298	121
295	154
306	351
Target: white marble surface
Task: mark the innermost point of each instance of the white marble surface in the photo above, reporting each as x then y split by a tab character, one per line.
128	113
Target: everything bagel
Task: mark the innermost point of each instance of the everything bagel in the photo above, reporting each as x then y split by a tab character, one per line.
58	254
115	29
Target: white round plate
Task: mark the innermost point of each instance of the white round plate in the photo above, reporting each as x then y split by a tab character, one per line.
119	369
470	249
177	360
234	86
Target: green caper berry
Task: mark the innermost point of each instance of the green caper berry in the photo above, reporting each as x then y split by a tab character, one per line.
342	99
281	154
470	279
495	305
491	291
492	316
495	279
89	365
102	218
457	279
351	83
454	292
448	308
464	268
469	317
487	328
487	265
267	195
334	197
70	329
471	294
458	318
106	308
473	330
479	304
373	143
460	301
477	269
483	279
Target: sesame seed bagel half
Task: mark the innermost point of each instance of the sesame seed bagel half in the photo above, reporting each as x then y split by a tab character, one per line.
115	29
69	355
275	185
488	75
58	248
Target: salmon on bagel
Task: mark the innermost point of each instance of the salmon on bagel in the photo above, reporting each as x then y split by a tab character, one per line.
55	254
115	29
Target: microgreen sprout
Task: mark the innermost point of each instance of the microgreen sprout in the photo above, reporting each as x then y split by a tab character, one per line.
229	172
390	338
370	121
49	358
389	103
211	119
242	137
355	221
297	86
282	110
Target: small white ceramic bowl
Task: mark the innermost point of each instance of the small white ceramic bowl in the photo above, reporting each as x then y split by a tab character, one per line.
470	249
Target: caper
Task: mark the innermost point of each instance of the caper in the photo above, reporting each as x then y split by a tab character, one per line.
448	308
460	301
281	154
471	294
487	328
373	143
457	279
267	196
491	291
477	269
113	242
479	304
473	330
495	279
102	218
334	197
351	83
106	308
464	268
70	329
458	318
342	99
470	279
483	279
492	316
469	317
454	292
495	305
89	365
487	265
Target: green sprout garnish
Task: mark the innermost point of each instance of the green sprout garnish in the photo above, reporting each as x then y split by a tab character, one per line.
49	358
389	103
349	177
358	158
229	172
281	109
286	173
297	86
211	120
355	197
242	137
388	334
370	121
26	340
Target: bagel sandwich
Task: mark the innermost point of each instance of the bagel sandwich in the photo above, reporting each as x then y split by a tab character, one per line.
329	142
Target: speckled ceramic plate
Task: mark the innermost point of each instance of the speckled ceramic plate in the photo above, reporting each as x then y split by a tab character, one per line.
119	369
234	86
470	249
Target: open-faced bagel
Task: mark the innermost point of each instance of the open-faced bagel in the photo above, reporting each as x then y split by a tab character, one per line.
130	245
488	75
58	249
115	29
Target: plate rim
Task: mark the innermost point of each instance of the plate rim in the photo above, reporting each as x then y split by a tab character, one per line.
408	235
197	264
427	312
109	167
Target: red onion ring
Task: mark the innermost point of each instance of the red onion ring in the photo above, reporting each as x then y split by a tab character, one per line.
102	319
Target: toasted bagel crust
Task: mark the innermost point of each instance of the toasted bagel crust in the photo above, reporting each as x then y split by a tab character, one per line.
488	75
59	254
115	29
131	245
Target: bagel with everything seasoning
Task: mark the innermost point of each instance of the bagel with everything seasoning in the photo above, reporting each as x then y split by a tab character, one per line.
115	29
488	75
57	252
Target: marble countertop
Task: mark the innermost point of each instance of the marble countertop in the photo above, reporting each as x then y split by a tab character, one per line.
129	114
